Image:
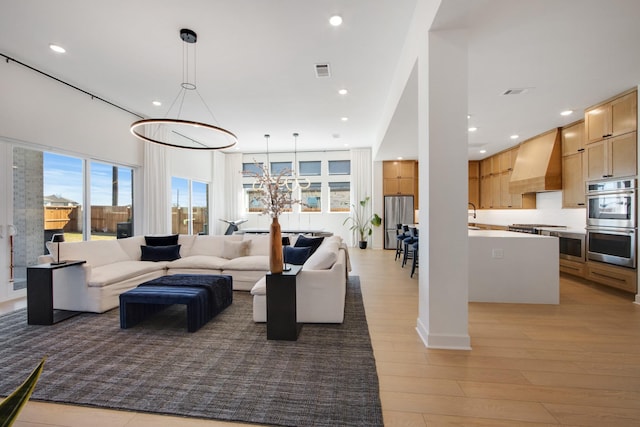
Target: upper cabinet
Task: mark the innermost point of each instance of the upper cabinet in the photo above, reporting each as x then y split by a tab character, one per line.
611	158
400	177
612	118
474	183
572	165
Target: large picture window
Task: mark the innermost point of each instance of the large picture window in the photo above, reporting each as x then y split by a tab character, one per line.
111	201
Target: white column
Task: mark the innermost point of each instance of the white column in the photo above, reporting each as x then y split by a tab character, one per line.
442	133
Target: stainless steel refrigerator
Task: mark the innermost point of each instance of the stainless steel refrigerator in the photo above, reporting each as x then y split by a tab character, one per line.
397	210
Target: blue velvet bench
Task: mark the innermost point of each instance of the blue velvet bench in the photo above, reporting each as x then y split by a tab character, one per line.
204	295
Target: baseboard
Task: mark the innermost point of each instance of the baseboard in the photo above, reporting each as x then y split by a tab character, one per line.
442	341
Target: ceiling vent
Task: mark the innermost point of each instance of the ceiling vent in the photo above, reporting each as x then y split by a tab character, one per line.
322	70
516	91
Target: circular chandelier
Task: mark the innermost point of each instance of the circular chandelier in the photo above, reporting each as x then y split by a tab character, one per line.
180	133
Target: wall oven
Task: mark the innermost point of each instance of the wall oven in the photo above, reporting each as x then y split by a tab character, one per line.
611	203
612	245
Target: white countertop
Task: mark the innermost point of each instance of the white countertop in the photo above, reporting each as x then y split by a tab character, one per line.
505	234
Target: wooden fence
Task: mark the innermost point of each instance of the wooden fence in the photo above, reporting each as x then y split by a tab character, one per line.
104	219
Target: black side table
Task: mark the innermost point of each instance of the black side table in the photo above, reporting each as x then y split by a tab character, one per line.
282	321
40	282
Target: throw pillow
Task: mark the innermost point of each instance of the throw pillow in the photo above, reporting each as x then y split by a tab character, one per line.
311	242
231	250
160	253
296	256
161	240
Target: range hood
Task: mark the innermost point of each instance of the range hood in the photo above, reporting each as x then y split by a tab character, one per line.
538	165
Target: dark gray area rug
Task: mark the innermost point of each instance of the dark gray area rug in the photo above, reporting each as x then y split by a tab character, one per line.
227	370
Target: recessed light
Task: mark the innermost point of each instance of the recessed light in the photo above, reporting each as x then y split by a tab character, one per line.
56	48
343	91
399	158
157	103
473	129
514	136
483	151
344	119
335	20
566	113
468	116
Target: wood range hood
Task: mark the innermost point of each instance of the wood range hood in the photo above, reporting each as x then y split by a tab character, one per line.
538	165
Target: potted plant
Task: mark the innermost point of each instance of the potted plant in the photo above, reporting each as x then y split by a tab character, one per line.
362	223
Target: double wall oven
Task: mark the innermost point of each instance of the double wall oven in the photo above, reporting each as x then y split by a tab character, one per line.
612	222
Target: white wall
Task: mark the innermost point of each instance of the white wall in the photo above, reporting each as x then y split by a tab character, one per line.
43	113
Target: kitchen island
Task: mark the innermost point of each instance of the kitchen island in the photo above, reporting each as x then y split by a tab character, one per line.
508	267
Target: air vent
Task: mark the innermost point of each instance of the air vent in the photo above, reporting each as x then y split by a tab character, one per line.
516	91
322	70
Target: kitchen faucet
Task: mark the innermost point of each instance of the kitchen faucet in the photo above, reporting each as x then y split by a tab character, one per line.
474	209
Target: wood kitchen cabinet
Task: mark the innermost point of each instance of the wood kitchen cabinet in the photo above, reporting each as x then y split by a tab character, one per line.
400	177
474	183
612	118
611	275
611	157
495	174
573	179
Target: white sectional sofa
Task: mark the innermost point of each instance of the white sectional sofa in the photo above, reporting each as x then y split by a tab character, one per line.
115	266
320	286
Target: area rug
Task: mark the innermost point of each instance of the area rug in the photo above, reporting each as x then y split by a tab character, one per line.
227	370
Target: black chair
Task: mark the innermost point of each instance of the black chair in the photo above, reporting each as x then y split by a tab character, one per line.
401	234
414	264
407	245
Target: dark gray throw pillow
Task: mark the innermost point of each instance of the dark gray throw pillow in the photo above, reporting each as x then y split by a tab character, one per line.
310	242
160	253
296	256
169	240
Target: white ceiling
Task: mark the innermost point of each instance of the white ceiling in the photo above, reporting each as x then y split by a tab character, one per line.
256	62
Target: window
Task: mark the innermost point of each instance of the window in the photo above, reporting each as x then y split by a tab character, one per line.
111	201
252	199
189	206
278	167
310	168
63	196
252	168
311	198
339	196
339	167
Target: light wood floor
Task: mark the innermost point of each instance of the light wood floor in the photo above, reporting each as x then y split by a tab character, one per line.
577	363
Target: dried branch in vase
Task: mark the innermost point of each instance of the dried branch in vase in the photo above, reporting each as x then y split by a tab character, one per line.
276	198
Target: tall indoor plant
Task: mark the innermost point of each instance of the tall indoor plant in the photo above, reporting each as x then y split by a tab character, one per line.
362	222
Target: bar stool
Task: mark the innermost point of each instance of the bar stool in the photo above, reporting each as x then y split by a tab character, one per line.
414	263
407	245
401	234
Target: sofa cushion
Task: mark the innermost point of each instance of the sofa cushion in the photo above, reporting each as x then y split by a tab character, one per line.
251	262
200	262
312	242
260	288
211	245
120	271
168	240
186	242
231	250
296	256
260	243
160	253
131	245
324	257
95	252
